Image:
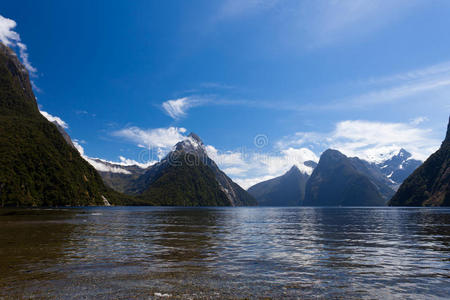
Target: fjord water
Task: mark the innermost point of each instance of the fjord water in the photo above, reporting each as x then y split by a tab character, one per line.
149	252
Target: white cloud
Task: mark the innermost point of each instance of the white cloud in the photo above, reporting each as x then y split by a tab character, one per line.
227	158
372	141
103	165
12	39
248	168
130	162
8	36
100	166
54	119
159	139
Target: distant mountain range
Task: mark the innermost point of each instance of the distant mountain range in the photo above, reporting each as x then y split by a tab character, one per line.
428	185
337	180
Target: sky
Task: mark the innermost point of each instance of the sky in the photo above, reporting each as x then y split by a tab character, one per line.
265	84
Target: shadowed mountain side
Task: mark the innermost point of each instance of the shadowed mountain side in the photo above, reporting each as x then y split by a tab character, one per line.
428	185
336	182
285	190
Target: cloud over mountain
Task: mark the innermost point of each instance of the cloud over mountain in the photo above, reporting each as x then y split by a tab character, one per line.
11	38
369	140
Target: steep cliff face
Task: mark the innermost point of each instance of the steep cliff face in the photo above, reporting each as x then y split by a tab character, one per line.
337	182
428	185
37	166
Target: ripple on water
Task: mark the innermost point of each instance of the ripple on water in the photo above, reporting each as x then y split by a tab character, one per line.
226	253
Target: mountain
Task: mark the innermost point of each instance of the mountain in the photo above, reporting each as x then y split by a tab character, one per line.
385	187
186	176
64	134
37	166
339	181
285	190
122	178
399	166
428	185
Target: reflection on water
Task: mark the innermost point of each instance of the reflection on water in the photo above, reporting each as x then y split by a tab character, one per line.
226	253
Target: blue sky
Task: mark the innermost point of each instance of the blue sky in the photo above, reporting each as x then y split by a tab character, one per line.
300	76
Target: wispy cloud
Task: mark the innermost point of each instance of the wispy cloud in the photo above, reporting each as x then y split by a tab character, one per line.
329	21
11	38
374	91
418	120
319	23
178	108
395	87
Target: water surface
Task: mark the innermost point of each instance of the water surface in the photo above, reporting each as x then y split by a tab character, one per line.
148	252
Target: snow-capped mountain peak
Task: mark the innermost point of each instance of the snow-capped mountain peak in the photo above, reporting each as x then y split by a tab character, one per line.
398	166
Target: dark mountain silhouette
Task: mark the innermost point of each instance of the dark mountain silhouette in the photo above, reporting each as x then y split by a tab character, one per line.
285	190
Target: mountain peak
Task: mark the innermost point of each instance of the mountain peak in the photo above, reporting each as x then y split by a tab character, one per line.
332	154
294	168
195	137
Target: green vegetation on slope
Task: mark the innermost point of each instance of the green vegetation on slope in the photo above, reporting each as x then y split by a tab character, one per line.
37	166
180	183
